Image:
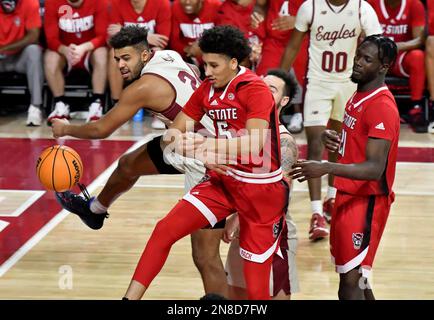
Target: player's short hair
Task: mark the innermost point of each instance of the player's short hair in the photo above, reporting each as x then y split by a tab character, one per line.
291	84
130	36
387	49
226	40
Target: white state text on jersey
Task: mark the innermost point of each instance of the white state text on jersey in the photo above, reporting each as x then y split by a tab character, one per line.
349	121
223	114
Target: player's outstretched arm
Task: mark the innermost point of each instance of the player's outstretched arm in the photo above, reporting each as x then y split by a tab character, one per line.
377	151
131	100
292	49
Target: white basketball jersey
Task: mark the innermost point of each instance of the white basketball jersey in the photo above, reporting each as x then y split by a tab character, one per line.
333	40
169	65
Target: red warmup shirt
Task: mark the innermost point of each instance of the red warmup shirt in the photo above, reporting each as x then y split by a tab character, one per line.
231	13
155	15
188	28
372	114
14	26
430	8
276	9
65	24
245	97
397	23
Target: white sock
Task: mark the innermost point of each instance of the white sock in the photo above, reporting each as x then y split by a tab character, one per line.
331	193
97	207
316	206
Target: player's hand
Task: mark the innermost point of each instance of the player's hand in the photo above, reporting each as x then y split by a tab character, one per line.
77	52
192	49
113	29
256	53
256	19
232	228
305	170
157	40
219	168
58	127
283	23
331	140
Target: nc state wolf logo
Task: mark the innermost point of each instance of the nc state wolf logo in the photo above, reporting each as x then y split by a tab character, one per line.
357	240
276	228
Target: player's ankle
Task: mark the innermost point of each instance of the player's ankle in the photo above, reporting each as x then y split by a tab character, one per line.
316	206
97	207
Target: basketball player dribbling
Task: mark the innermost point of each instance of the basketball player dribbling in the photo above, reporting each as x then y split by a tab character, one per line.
162	83
365	171
334	27
242	108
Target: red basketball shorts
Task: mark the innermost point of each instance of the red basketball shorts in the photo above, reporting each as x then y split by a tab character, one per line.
356	228
261	207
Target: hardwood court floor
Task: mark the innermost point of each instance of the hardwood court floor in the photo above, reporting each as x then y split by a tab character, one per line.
101	262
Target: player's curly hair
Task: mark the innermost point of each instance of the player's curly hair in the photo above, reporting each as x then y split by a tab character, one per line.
387	49
226	40
131	35
291	84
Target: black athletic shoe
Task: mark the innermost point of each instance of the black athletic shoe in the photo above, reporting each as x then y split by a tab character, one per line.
81	207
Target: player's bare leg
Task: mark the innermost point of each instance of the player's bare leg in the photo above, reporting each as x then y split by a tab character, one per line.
349	286
130	167
315	148
135	291
369	294
54	63
98	60
206	256
237	293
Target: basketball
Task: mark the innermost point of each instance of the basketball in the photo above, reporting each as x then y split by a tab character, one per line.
59	168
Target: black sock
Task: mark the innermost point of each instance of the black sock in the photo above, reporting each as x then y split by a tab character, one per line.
98	96
59	98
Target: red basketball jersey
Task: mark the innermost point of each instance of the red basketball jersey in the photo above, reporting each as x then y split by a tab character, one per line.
276	9
397	23
188	28
372	114
155	16
245	97
65	24
430	8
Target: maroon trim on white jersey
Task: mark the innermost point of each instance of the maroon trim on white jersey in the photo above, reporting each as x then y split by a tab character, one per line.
331	6
170	110
313	14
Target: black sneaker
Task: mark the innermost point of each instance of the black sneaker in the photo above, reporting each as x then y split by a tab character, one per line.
81	207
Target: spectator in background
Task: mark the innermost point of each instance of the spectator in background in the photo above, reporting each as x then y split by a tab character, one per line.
237	13
404	22
429	62
279	23
76	37
189	19
155	16
20	25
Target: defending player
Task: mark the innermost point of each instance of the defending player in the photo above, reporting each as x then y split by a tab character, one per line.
283	280
365	170
243	110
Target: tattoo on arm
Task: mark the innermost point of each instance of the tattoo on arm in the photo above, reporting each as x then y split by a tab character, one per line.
289	153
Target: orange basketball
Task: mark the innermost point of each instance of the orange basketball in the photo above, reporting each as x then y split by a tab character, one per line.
59	168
